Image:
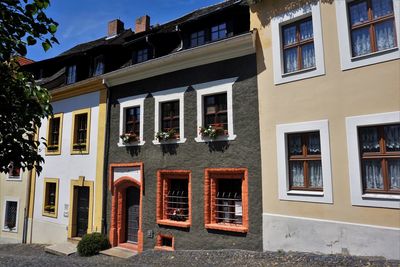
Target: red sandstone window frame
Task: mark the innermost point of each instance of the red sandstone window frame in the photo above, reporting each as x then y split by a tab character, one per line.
162	183
159	245
211	175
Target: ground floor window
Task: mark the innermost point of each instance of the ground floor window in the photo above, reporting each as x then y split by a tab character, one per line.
50	199
10	215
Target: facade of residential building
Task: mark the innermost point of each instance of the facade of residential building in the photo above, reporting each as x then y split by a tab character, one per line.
329	105
183	152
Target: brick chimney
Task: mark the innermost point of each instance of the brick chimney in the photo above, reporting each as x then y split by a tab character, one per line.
115	27
142	24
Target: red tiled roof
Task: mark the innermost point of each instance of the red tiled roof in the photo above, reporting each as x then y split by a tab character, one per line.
24	61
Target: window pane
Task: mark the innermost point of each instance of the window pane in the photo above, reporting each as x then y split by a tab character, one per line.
361	42
308	56
50	200
394	173
315	173
382	8
358	13
289	35
290	58
296	169
372	174
306	30
392	137
369	139
385	35
295	146
314	146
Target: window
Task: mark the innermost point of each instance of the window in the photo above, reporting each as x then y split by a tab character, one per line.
10	222
165	242
218	32
169	116
54	131
226	199
142	55
50	197
368	31
14	172
98	65
372	26
71	74
215	111
197	38
305	169
174	198
80	131
131	120
297	44
374	159
304	165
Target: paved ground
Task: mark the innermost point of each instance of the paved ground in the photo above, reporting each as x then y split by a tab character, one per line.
34	255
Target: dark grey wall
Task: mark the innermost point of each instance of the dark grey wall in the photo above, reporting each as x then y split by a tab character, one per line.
242	152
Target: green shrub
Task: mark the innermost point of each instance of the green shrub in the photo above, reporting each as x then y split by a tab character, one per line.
91	244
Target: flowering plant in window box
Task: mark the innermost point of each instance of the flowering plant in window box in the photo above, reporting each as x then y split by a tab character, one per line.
129	138
167	135
213	131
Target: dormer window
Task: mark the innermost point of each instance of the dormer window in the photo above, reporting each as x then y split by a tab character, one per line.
197	38
218	32
142	55
98	65
71	74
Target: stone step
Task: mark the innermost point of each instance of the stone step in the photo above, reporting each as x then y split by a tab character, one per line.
62	249
119	252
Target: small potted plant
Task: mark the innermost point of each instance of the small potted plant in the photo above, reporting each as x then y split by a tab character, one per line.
166	135
213	131
129	138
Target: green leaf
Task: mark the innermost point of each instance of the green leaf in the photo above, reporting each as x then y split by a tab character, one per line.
52	28
46	46
31	40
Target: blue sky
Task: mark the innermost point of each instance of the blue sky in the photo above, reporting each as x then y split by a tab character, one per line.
86	20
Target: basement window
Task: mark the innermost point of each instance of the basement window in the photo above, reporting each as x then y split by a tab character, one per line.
165	242
10	215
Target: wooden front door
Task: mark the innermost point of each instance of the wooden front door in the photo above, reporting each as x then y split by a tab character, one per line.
132	214
82	213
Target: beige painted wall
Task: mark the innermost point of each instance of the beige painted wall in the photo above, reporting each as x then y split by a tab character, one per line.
334	96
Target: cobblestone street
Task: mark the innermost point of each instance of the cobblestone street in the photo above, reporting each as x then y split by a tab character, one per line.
34	255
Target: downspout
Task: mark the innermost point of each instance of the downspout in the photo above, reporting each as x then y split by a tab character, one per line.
105	167
180	37
26	209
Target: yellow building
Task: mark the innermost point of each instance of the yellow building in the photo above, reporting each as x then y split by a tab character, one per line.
329	95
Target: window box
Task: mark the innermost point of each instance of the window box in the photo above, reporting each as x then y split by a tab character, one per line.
128	138
174	198
215	109
297	44
169	116
374	159
368	31
304	164
80	131
226	199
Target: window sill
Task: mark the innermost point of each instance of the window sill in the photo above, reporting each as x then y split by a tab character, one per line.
137	143
45	214
380	196
79	152
8	231
164	248
293	73
14	178
229	228
306	193
174	223
55	153
374	54
201	139
171	141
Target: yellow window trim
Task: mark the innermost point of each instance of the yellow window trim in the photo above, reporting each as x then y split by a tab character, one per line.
74	114
58	151
46	181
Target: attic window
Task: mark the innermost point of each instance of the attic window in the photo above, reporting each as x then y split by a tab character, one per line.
98	65
197	38
218	32
71	74
142	55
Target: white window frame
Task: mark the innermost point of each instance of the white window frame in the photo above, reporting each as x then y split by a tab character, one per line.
130	102
166	96
10	199
358	198
276	28
212	88
282	130
9	177
346	58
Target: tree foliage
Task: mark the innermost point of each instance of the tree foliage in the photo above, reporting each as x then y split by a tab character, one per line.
22	103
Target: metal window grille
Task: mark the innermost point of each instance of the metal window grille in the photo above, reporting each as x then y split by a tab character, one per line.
177	201
229	207
11	215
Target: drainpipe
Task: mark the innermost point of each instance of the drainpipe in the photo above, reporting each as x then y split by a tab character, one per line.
105	168
26	208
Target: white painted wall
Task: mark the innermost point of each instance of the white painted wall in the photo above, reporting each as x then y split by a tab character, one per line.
66	167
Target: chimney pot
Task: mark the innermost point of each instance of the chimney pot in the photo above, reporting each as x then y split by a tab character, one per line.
142	24
115	27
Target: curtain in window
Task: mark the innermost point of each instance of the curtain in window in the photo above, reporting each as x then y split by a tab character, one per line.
306	30
394	173
382	8
392	137
315	172
385	35
373	174
361	42
295	147
369	139
99	68
290	60
297	173
359	13
308	56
